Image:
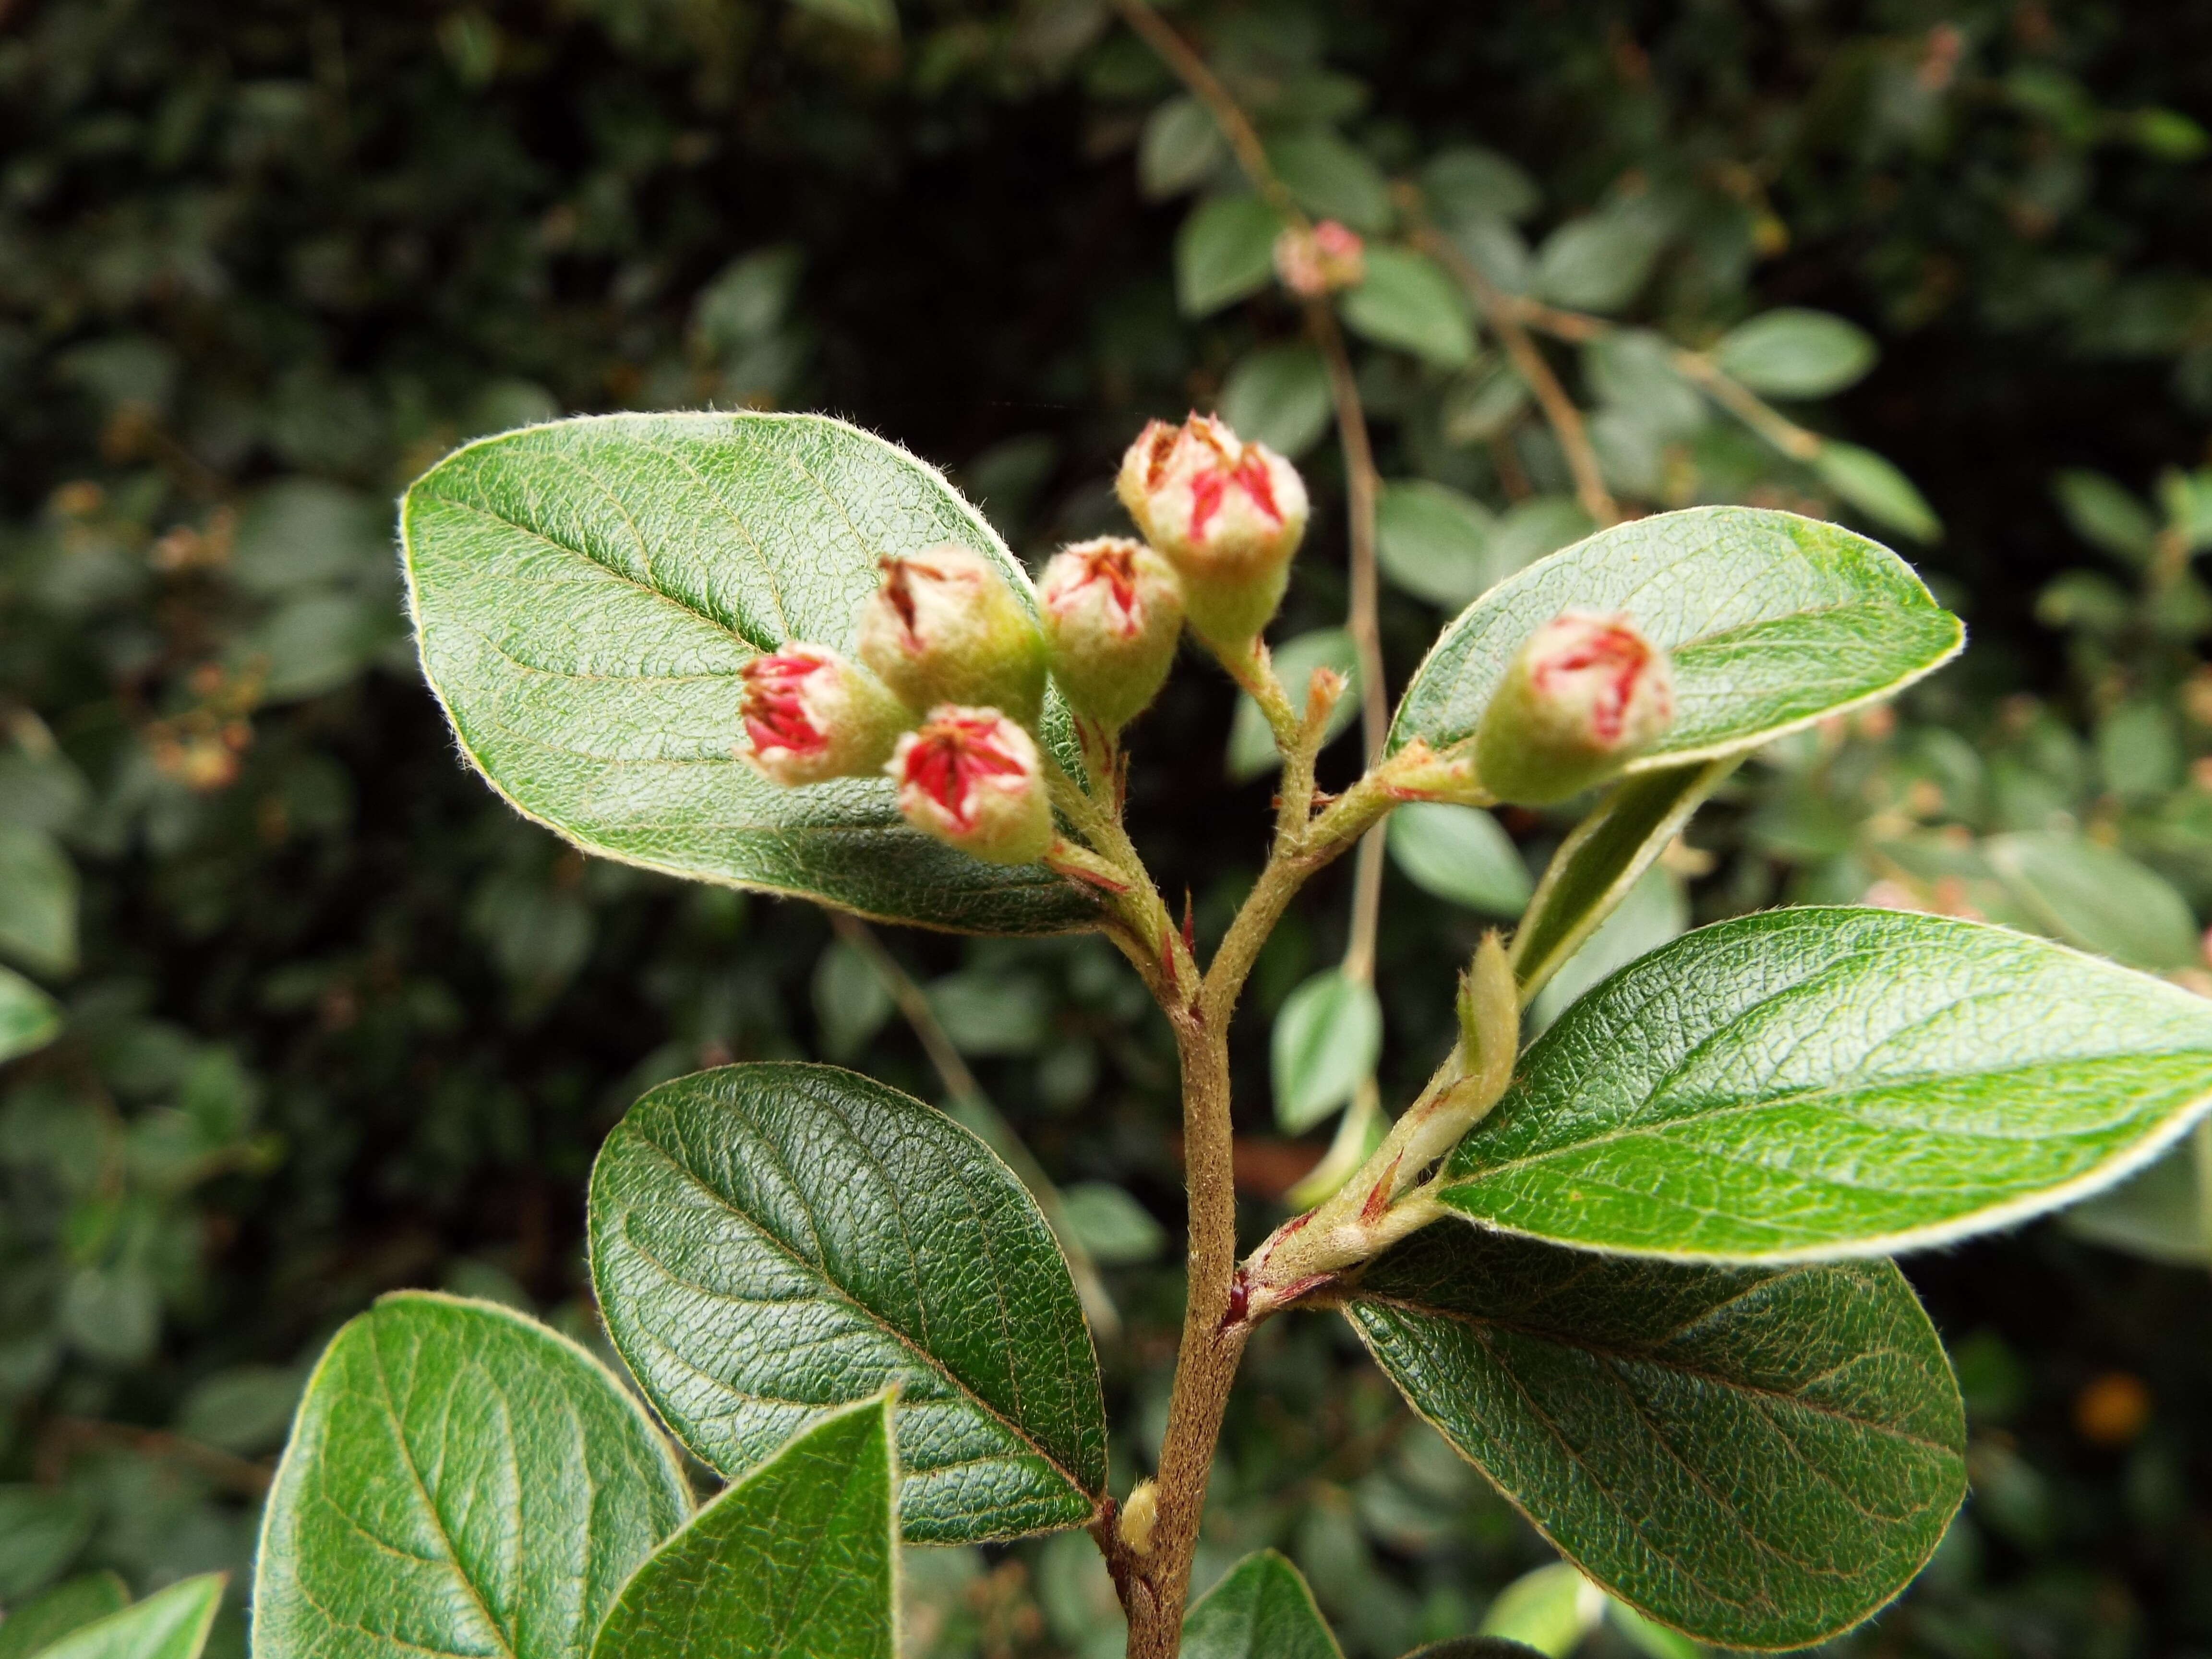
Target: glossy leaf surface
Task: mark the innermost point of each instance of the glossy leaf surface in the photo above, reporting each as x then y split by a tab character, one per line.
461	1480
1262	1609
798	1560
1773	620
772	1243
1825	1082
170	1624
584	594
1758	1457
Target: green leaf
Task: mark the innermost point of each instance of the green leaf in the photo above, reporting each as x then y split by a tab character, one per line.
877	17
38	901
1819	1083
1467	182
29	1019
1599	262
1774	620
2106	515
461	1480
1224	251
771	1242
1461	853
1877	489
1597	865
1252	751
584	594
1551	1609
170	1624
1410	303
1180	146
1434	542
52	1613
1656	1641
1113	1227
41	1530
2097	897
1327	1040
1792	353
796	1561
2159	1213
1262	1609
1653	910
851	1001
1476	1647
1529	530
1278	396
1332	180
1760	1458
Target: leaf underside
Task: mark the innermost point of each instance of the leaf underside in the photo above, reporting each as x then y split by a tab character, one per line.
1773	621
798	1560
773	1242
585	594
461	1480
1815	1083
1760	1457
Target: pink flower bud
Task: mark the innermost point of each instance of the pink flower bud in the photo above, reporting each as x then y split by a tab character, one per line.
947	627
1318	262
1227	514
971	778
1112	610
1584	696
810	715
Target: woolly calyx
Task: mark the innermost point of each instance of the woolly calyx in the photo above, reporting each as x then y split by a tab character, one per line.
972	778
947	627
1112	611
1227	514
1585	695
1321	261
810	715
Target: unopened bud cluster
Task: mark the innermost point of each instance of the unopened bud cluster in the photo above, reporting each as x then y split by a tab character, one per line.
952	663
1321	261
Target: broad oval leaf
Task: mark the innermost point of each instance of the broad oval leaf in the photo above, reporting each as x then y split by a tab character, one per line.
1872	484
1774	620
585	594
1261	1609
771	1242
1434	541
29	1018
2097	897
1832	1082
1327	1039
1278	396
461	1480
799	1558
1408	301
170	1624
1761	1458
1794	353
1224	251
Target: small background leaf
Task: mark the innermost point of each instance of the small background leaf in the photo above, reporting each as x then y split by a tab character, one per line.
38	901
1875	486
1461	854
1278	396
772	1243
1409	301
1653	910
29	1018
1327	1039
1551	1609
1224	251
170	1624
1792	353
799	1558
1251	745
54	1612
1435	542
2097	897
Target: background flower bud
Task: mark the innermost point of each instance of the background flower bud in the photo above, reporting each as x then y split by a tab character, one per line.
1112	611
1227	514
810	715
1321	261
1584	696
946	626
971	778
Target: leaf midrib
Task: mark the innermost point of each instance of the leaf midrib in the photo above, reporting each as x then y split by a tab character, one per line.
821	1274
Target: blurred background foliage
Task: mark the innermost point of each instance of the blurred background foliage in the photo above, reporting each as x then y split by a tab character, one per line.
304	1014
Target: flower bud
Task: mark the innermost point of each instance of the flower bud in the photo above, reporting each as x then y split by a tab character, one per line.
1584	696
810	715
947	627
1226	514
1318	262
1112	611
971	778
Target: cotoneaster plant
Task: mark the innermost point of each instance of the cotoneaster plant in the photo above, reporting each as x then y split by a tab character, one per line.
1636	1272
